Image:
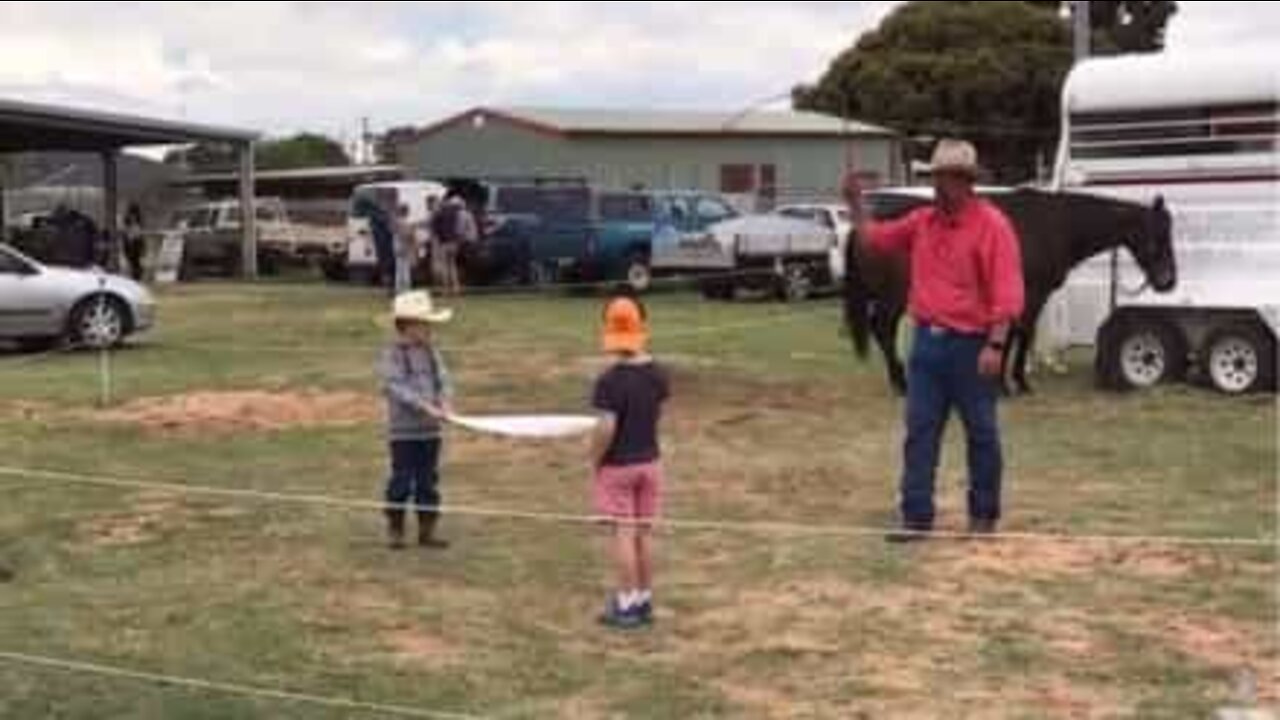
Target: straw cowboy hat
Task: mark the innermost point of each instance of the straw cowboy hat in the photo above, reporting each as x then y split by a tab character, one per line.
956	156
417	306
625	328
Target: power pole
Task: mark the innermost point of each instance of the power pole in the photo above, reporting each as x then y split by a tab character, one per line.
1081	13
368	153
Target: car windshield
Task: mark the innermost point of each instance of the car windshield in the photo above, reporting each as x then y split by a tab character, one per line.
714	210
195	218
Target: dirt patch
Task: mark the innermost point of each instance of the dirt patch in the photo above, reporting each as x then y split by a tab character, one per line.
26	411
415	648
242	411
389	631
1048	560
1222	645
149	520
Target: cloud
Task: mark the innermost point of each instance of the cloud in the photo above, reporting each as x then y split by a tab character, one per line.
283	66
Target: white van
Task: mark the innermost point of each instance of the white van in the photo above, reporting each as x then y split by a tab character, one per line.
421	198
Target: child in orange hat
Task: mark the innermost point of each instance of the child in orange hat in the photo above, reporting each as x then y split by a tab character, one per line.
626	458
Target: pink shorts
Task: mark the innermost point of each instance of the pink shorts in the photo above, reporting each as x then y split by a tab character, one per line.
631	492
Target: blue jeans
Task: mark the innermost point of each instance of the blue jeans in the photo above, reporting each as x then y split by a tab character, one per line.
415	474
943	375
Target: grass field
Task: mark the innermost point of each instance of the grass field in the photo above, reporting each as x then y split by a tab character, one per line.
270	388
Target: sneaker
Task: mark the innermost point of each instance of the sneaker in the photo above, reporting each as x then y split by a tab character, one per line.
616	619
645	612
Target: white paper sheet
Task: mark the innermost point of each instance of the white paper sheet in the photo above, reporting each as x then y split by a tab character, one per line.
545	427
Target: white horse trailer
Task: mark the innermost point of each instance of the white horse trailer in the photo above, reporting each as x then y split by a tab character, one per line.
1203	133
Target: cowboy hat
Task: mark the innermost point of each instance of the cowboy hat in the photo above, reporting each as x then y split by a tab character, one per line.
955	156
417	306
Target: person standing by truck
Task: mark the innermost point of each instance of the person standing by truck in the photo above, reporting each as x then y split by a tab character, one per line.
406	250
453	226
135	241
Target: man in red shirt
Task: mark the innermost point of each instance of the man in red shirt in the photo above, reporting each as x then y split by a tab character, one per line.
966	291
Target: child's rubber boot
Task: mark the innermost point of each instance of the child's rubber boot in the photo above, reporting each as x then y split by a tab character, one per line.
427	538
395	529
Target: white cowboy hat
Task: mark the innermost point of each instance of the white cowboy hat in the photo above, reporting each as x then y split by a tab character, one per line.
955	156
417	306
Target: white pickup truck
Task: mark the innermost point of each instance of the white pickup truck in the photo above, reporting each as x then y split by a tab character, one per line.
788	256
212	238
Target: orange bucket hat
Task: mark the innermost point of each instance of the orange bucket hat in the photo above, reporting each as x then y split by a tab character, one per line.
625	328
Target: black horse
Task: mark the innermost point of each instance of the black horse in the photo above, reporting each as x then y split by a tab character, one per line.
1058	231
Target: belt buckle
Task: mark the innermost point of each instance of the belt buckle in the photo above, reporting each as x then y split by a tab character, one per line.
938	331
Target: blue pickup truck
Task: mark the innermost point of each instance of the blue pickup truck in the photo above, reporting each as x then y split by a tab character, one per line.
553	234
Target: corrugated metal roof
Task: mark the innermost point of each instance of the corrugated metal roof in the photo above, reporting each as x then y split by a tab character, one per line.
32	126
585	121
362	173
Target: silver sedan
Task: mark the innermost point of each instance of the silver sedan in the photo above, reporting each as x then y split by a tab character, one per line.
42	305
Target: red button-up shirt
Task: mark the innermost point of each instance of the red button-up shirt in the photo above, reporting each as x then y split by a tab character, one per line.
966	269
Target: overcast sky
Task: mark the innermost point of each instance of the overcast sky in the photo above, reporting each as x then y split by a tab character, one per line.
283	66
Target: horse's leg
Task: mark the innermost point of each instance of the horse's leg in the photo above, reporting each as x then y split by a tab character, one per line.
884	323
1026	347
1022	358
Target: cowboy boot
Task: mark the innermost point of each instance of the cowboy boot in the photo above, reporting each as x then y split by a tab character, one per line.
427	522
395	529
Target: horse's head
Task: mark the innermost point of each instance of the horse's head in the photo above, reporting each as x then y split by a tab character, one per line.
1151	244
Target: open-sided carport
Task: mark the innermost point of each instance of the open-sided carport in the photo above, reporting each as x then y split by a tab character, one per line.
30	127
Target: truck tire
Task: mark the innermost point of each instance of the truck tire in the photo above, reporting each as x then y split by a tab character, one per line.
1139	353
795	284
639	274
334	270
269	264
540	275
1241	360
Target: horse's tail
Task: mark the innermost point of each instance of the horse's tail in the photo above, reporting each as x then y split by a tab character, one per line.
857	299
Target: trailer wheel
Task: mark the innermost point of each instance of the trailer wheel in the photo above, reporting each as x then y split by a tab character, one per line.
1240	360
1141	353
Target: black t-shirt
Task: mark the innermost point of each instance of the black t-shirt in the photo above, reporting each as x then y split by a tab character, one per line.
634	394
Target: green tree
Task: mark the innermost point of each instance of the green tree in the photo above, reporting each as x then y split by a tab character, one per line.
391	145
306	150
203	157
1125	26
985	71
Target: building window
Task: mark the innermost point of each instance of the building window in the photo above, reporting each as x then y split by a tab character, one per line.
737	179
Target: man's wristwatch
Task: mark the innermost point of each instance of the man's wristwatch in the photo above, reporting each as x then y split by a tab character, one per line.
995	345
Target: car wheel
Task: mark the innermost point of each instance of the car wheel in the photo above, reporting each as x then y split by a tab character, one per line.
1142	354
99	323
1241	360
